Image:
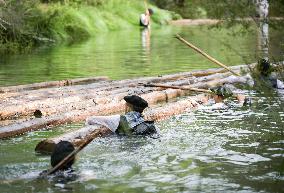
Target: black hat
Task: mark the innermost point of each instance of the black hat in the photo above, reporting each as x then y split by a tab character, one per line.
62	150
151	11
136	101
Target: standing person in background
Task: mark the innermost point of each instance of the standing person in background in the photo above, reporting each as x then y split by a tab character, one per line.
145	18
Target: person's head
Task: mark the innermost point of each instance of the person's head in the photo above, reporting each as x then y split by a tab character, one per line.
220	93
135	103
264	67
150	11
62	150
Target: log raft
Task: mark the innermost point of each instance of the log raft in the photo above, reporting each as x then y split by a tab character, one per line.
100	99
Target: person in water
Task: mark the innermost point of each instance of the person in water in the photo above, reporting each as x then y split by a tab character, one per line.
61	151
267	76
144	19
220	93
131	123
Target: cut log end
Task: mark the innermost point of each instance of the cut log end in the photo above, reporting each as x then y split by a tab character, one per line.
47	146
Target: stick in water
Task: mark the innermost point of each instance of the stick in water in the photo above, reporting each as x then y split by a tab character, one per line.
204	54
179	87
72	154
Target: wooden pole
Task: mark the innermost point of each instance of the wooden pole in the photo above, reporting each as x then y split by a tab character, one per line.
72	154
204	54
178	87
145	4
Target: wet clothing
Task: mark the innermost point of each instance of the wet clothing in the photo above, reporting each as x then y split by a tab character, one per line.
280	84
272	81
110	122
61	176
132	123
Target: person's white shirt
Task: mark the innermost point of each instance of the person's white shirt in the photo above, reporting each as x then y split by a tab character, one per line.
144	19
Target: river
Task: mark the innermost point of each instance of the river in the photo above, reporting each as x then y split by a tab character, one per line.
236	149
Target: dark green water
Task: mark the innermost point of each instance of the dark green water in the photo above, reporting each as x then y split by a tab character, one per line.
235	149
127	54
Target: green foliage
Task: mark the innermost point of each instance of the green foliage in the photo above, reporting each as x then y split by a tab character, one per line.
24	24
220	9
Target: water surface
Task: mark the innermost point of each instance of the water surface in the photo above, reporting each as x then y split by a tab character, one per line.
237	149
136	53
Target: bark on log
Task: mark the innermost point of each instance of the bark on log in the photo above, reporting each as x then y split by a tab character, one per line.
80	115
49	106
105	105
78	137
51	84
53	92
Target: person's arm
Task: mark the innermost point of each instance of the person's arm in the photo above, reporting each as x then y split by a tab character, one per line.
241	98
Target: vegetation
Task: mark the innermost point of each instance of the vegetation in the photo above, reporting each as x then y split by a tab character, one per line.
220	9
25	24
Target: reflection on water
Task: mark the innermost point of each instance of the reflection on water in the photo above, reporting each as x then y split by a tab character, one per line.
210	150
135	53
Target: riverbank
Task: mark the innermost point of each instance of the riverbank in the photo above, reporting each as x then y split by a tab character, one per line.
26	25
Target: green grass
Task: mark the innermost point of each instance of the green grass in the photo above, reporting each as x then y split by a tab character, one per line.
79	20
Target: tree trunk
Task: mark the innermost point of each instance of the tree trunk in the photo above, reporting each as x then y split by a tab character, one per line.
263	37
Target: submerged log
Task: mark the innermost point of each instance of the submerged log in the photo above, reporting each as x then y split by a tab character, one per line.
79	137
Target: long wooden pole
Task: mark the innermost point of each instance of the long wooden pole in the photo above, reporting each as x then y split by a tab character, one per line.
145	4
204	54
179	87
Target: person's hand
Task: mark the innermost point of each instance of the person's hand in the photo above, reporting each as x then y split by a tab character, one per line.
147	12
241	98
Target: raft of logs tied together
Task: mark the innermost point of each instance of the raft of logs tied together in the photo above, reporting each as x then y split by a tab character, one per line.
30	108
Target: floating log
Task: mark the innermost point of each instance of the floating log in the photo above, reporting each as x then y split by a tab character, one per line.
80	115
51	84
61	91
97	133
55	92
179	87
80	136
49	106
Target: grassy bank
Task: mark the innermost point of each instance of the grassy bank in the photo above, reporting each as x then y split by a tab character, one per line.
26	24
